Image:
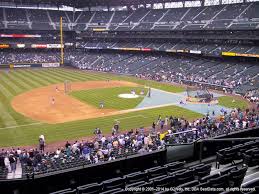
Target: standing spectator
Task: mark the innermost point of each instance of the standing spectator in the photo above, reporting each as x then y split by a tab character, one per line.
98	132
12	161
117	126
7	163
41	144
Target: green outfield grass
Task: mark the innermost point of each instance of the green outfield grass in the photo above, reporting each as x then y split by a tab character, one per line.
110	97
15	129
232	102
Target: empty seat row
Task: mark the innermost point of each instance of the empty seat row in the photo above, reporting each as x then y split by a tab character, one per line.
195	176
237	152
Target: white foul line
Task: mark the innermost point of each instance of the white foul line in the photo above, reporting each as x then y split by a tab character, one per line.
16	126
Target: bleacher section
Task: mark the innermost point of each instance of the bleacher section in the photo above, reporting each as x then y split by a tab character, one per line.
170	68
234	16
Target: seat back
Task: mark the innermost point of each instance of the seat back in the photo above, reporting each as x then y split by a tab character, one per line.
114	183
136	177
189	184
206	178
227	170
93	188
184	177
175	166
236	176
164	181
219	182
201	171
157	171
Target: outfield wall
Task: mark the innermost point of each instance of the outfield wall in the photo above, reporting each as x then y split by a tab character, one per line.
28	65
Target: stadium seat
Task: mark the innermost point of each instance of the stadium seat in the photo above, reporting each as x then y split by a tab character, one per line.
156	171
93	188
219	182
227	170
174	166
164	181
206	178
135	184
183	177
251	157
236	176
114	183
189	184
136	177
201	170
224	156
157	178
252	184
65	191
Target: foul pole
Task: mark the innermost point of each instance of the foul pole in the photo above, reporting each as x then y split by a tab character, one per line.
61	43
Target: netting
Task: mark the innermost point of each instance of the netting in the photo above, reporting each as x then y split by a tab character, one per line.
67	86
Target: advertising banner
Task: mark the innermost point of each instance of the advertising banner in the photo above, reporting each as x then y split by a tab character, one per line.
20	45
20	35
247	55
54	46
195	52
39	46
231	54
50	65
19	65
4	46
146	49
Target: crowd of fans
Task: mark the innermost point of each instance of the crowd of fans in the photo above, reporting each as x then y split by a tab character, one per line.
253	96
102	148
25	56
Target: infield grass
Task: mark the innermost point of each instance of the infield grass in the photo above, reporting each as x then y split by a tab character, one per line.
109	96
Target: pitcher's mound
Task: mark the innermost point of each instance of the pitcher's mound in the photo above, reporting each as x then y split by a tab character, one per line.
128	95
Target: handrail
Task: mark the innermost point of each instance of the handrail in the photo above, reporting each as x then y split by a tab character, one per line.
180	144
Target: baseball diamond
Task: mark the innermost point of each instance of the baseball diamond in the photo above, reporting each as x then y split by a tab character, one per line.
129	96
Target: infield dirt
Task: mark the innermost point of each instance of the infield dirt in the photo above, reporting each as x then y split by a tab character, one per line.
37	103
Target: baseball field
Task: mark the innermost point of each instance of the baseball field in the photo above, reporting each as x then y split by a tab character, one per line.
27	108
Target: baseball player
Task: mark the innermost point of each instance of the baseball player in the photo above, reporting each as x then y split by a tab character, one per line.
52	100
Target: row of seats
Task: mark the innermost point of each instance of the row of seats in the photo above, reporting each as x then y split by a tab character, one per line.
248	151
168	176
195	18
53	164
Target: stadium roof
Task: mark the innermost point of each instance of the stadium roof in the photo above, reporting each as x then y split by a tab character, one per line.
89	3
